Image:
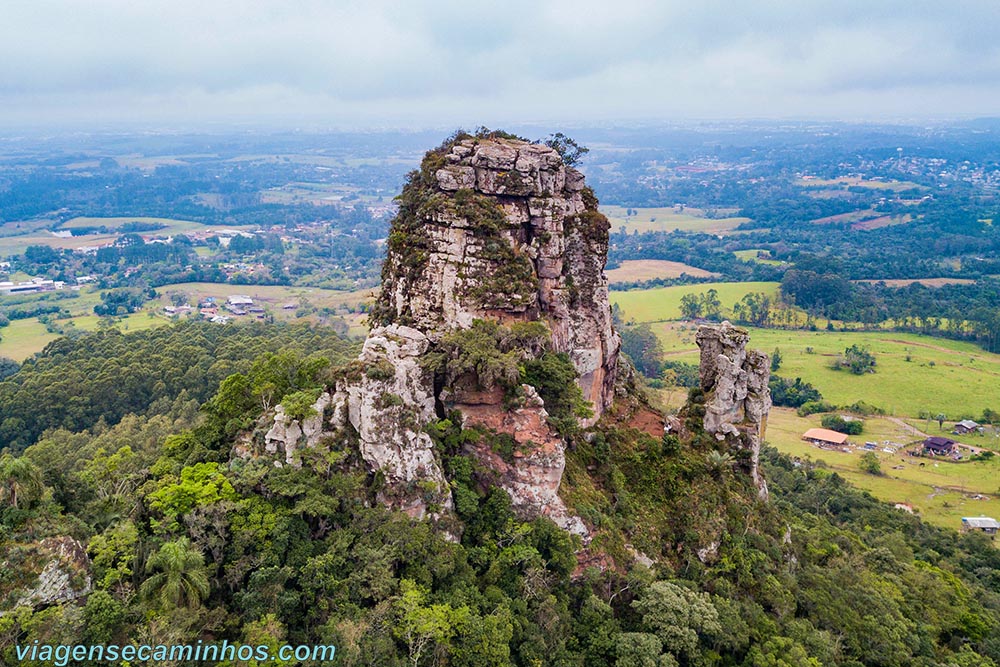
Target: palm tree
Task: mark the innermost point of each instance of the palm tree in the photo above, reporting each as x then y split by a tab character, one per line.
20	480
182	579
719	462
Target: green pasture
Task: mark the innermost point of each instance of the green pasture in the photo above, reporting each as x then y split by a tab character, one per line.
942	376
663	303
668	219
941	491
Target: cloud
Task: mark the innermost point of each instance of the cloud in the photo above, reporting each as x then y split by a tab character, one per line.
420	62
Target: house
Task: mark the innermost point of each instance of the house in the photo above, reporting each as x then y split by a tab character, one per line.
965	426
983	524
823	436
239	300
939	446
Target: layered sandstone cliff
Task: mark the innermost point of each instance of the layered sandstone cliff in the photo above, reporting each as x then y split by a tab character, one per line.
502	229
489	228
737	399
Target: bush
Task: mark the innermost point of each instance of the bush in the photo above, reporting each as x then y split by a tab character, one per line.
841	425
869	464
813	407
792	393
857	359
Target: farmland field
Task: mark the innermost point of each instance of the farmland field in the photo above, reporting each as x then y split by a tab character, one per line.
649	269
23	338
942	492
667	219
663	303
942	376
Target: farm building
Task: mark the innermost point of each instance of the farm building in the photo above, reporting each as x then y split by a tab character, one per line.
965	426
983	524
939	446
823	436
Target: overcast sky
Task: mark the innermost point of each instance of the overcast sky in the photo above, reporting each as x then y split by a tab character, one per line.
419	63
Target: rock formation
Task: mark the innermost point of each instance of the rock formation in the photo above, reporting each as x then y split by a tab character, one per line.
534	473
502	229
495	262
57	570
489	228
734	381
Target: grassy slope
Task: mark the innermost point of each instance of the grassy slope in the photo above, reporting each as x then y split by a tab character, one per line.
940	491
962	382
663	303
667	219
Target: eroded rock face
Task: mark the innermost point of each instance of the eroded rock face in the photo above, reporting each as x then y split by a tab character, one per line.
504	230
389	406
492	229
61	572
532	475
737	399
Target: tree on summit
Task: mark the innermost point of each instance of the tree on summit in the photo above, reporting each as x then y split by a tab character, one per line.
570	151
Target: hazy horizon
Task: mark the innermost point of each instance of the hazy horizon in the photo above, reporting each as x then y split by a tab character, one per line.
443	64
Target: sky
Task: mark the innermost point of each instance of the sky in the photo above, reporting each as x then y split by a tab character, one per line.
450	62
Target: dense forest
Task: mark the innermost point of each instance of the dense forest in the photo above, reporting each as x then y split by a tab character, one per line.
141	472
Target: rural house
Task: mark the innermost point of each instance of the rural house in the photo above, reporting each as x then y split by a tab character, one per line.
983	524
939	446
965	426
824	437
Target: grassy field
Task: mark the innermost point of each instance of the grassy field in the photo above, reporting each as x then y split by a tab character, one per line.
171	225
751	256
649	269
663	303
858	182
15	245
668	219
943	376
23	338
940	491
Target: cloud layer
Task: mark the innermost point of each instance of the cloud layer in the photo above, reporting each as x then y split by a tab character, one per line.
446	62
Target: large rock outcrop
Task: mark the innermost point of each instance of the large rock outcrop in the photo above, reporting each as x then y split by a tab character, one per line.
737	399
489	228
502	229
533	472
51	571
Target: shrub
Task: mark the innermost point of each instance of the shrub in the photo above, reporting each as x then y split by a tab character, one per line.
841	425
813	407
869	464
